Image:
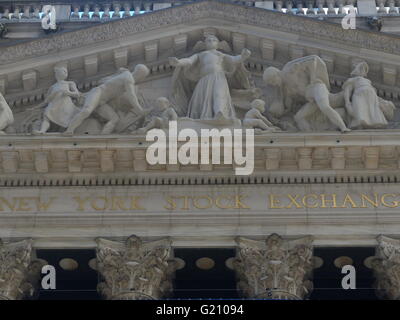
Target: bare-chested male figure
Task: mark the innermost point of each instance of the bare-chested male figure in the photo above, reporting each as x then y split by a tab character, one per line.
305	81
98	99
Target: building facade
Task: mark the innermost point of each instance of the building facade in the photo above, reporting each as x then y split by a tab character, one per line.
77	189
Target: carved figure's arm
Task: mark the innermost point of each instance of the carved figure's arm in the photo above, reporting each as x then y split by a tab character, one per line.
75	93
183	62
240	58
265	119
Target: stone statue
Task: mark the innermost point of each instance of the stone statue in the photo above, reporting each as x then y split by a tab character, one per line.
6	115
60	106
366	109
166	113
255	120
305	82
97	99
201	83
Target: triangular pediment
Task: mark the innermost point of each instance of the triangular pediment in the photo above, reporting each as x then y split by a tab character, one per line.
189	14
274	38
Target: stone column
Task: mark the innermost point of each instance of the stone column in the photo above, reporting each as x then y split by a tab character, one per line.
135	270
386	266
274	268
19	272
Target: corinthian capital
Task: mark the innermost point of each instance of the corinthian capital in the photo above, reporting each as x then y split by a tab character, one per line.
274	268
387	268
135	270
19	272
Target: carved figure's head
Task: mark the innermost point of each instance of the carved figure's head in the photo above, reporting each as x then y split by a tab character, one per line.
258	104
361	70
162	103
272	76
211	42
61	73
140	72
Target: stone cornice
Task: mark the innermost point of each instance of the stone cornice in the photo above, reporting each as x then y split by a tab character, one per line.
330	157
302	26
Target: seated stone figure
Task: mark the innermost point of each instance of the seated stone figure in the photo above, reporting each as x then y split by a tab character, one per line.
166	113
60	108
6	115
255	120
366	109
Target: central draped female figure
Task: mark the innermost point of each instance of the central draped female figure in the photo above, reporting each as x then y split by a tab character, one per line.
202	82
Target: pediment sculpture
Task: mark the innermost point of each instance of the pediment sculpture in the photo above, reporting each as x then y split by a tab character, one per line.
304	84
254	118
304	97
70	109
6	115
366	109
202	83
212	89
59	103
98	99
164	112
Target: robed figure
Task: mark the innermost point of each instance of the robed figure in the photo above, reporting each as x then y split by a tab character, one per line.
202	83
367	110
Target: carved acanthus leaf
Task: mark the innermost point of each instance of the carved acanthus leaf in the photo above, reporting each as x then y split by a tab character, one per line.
387	268
274	268
135	270
19	272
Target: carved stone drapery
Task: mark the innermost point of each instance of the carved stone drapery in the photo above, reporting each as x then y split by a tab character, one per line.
19	271
135	270
274	268
386	266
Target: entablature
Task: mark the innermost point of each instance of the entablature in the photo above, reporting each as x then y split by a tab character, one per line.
121	160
